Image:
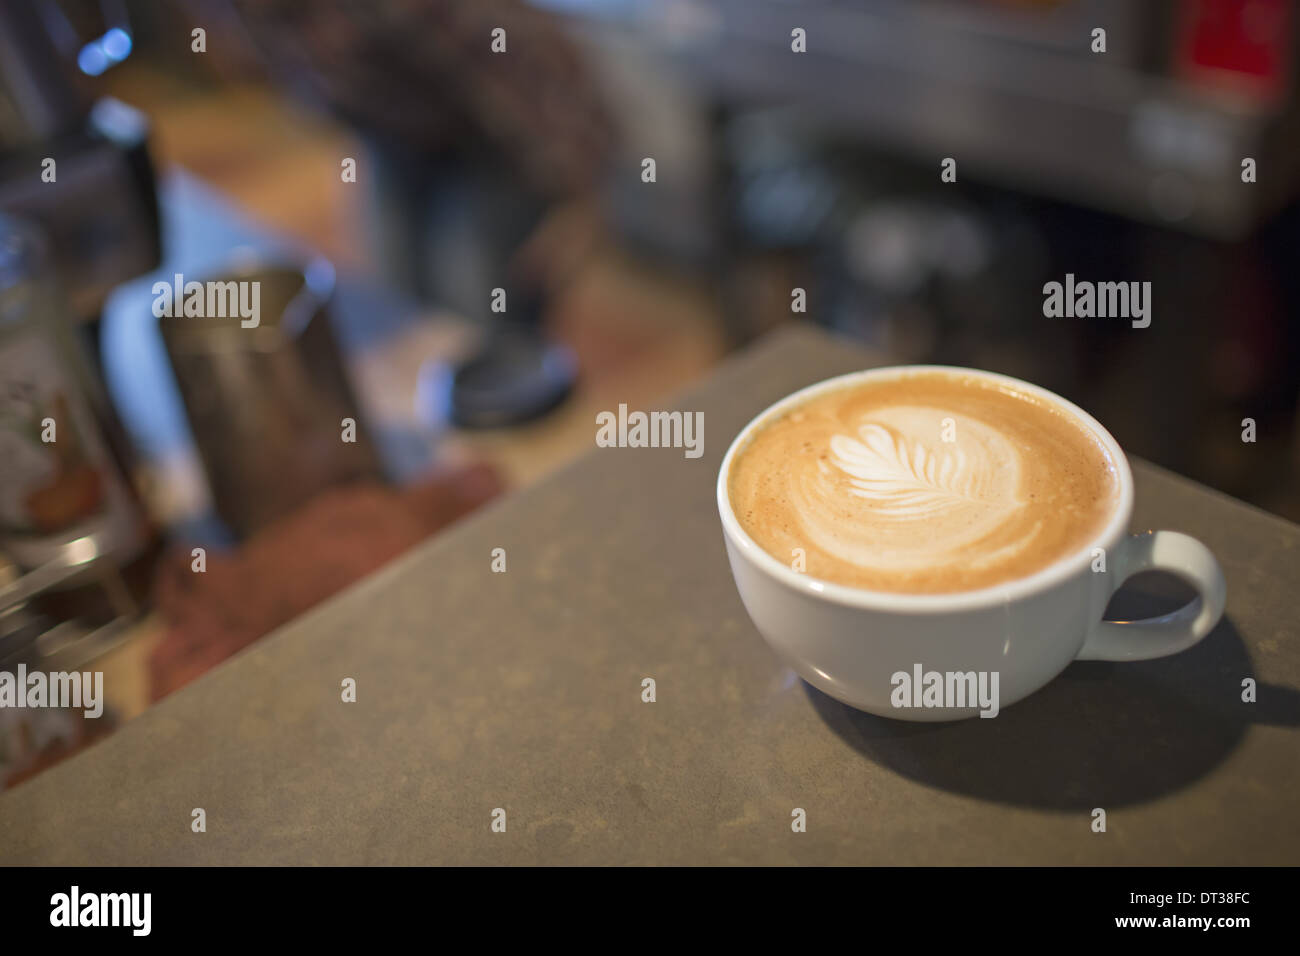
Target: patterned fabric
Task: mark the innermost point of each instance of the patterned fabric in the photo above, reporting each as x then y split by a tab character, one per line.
423	72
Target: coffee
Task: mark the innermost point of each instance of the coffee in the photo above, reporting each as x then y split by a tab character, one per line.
929	483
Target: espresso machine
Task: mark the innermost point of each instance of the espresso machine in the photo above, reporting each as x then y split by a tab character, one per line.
78	216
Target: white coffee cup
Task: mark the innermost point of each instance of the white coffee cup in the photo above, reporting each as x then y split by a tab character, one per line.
853	644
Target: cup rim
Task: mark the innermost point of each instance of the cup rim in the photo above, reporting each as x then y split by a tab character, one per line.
992	596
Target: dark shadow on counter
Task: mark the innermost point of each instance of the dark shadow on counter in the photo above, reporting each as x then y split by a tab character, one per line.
1100	735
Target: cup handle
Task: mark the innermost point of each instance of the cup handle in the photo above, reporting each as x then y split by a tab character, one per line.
1182	556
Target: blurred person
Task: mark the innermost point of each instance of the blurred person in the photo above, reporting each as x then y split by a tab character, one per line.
471	136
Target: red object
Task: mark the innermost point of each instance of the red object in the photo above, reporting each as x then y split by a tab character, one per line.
1239	46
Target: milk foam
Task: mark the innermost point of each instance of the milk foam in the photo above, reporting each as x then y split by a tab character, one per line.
862	483
923	500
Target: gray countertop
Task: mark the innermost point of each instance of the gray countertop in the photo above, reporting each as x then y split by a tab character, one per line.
522	690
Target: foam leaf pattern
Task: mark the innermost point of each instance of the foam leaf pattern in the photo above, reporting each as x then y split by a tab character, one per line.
906	479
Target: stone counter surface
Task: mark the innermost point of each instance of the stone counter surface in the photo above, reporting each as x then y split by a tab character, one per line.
522	690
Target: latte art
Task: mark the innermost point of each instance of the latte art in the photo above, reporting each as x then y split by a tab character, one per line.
906	475
924	500
930	483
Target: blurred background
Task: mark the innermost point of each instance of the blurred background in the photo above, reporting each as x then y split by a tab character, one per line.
458	250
